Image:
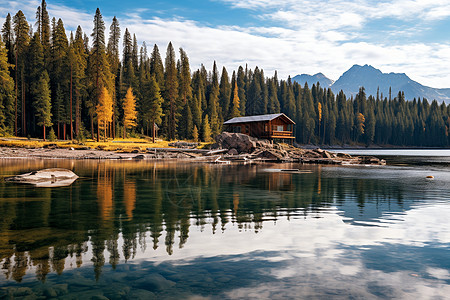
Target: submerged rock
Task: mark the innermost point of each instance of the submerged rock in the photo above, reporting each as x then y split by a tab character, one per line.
55	177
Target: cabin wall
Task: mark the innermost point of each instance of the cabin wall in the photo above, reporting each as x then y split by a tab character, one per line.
277	128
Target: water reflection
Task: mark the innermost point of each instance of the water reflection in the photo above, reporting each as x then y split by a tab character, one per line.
121	212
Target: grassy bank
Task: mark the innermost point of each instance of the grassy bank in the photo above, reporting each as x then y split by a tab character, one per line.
125	145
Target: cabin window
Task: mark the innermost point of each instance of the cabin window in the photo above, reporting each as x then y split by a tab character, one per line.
266	127
237	129
280	128
289	127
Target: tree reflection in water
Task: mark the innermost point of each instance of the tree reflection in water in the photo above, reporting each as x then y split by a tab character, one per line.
114	206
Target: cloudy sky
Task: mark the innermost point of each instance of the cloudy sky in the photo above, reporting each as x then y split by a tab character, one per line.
291	36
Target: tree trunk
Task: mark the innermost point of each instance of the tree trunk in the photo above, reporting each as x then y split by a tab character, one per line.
104	138
77	115
58	129
98	131
64	131
153	132
114	127
44	133
92	126
71	123
17	92
24	123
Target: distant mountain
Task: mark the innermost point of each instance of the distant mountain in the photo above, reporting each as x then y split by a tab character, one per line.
371	78
324	81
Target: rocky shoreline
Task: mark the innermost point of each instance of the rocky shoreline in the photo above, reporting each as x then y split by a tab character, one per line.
229	148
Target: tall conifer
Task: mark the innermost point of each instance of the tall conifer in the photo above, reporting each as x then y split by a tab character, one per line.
41	103
171	93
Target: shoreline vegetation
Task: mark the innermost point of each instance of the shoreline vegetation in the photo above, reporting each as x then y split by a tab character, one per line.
229	148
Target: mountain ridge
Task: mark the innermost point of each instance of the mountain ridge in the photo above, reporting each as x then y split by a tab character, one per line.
373	79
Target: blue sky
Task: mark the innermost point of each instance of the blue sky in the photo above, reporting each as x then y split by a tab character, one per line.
291	36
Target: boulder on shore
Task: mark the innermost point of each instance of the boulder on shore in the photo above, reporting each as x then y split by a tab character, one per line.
239	141
54	177
251	148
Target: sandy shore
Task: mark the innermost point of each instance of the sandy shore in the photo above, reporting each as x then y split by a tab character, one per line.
63	153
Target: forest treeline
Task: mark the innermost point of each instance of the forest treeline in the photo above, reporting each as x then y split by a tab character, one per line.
80	86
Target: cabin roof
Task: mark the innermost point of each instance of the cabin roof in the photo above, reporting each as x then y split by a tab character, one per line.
259	118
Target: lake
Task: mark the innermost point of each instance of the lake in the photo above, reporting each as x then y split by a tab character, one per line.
175	230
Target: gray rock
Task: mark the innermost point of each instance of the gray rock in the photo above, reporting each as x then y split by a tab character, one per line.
154	282
21	291
141	294
61	289
241	142
50	292
46	178
140	156
184	145
99	297
233	151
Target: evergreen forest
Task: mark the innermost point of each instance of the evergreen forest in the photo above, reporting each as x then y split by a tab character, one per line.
79	86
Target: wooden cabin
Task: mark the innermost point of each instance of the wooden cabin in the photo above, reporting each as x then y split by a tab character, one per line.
273	126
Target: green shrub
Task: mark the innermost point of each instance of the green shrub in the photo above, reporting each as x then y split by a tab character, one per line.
52	135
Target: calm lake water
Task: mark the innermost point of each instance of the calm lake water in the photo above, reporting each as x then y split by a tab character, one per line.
137	229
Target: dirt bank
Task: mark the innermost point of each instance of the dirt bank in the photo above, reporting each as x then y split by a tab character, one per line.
229	148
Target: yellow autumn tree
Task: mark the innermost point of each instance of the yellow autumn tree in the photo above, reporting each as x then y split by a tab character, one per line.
104	110
129	111
235	110
360	119
319	114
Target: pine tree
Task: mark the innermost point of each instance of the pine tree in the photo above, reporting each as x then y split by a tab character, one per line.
224	95
112	53
134	54
128	68
42	103
22	38
171	93
6	93
113	46
185	95
79	76
60	76
35	68
129	111
8	39
151	105
241	82
273	105
99	73
43	30
213	101
185	78
157	67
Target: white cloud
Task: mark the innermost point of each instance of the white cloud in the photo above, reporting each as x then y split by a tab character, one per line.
303	37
